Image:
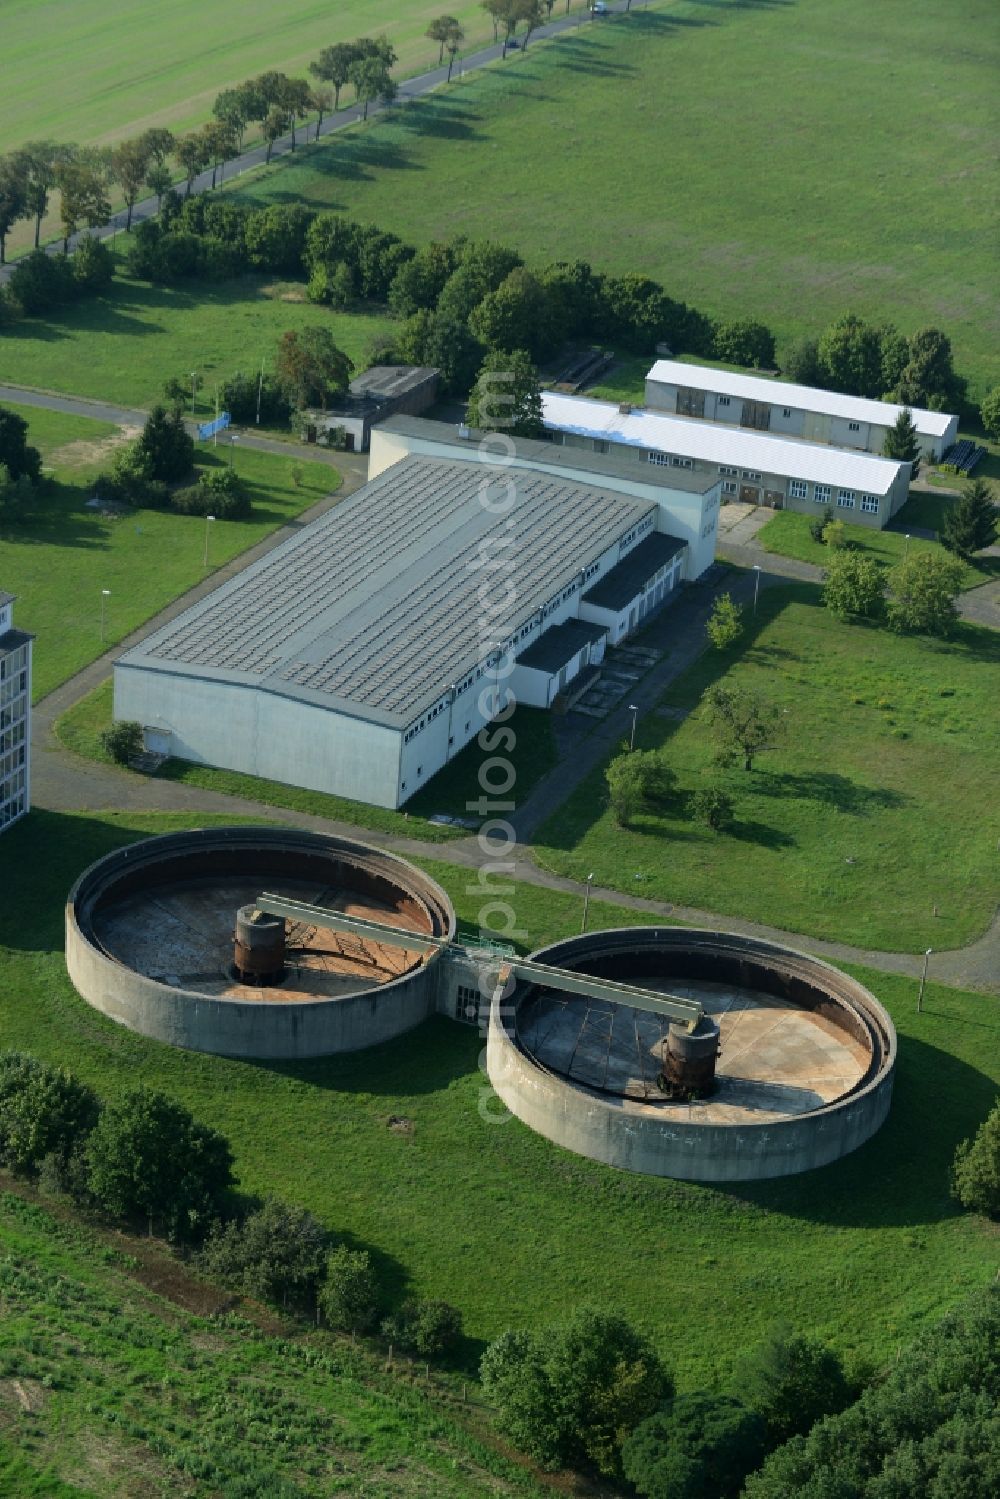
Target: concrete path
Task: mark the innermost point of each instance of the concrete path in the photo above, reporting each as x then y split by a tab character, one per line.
409	89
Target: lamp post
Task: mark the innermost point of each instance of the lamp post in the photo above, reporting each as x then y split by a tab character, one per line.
923	980
234	438
633	708
586	902
194	387
208	521
756	584
105	595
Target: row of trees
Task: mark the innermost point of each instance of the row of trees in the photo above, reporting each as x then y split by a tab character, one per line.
142	1157
876	360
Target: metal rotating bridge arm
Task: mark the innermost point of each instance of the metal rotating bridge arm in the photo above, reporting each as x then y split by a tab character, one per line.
687	1011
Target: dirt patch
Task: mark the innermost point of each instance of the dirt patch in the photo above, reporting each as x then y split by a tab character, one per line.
400	1125
284	291
81	454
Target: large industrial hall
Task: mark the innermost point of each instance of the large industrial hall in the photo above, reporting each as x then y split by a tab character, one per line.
364	652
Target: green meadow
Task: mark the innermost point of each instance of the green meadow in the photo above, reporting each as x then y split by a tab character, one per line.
869	821
60	557
786	160
508	1227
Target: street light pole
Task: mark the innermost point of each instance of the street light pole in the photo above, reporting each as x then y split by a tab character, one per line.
586	902
234	438
208	521
756	584
194	387
923	980
633	709
906	545
105	595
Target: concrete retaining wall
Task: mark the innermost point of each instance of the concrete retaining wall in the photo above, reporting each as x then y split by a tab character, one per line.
261	1029
657	1140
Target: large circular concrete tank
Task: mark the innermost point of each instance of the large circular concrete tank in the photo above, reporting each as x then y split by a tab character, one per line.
150	942
804	1071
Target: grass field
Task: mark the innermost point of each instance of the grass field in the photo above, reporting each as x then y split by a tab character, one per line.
787	533
98	70
108	1386
787	161
508	1227
450	791
123	347
869	823
59	559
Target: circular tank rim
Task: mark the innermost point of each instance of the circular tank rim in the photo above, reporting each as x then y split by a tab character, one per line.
146	852
861	1001
663	1142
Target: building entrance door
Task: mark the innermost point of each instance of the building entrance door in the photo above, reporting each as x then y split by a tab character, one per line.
749	494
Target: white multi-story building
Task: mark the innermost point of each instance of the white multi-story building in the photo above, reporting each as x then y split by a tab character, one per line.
15	716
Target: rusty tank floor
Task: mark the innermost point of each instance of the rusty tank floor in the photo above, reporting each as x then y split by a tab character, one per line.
183	935
776	1060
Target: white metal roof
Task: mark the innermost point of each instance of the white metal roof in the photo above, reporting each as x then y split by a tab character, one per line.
711	442
798	397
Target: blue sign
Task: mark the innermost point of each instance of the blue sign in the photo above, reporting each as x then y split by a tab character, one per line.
209	429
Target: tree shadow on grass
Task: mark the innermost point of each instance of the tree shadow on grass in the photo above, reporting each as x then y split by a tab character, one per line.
900	1178
830	789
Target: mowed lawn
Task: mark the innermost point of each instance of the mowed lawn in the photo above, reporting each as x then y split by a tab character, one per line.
97	70
59	558
123	347
787	533
508	1227
870	822
787	161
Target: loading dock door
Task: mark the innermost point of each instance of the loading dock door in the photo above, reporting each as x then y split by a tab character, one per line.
756	414
749	494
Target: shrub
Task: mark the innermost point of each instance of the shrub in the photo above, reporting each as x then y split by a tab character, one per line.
571	1394
219	492
638	781
712	806
835	535
147	1155
791	1381
818	525
348	1296
93	265
165	443
276	1253
989	413
44	1111
975	1177
747	342
699	1447
429	1328
40	282
922	593
854	586
240	394
131	474
122	741
725	623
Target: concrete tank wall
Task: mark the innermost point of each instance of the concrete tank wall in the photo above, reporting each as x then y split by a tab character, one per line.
657	1140
232	1027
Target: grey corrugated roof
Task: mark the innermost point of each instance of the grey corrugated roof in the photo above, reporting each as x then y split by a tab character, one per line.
625	582
559	644
529	450
373	609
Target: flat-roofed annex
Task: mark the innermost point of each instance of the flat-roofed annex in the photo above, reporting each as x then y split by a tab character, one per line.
374	608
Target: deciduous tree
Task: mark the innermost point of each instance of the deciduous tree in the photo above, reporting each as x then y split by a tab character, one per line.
725	623
791	1381
129	165
82	179
507	396
745	342
348	1295
44	1110
854	586
191	152
276	1253
147	1155
638	781
372	80
441	30
989	412
16	454
850	356
922	593
745	723
43	161
14	205
310	368
697	1447
928	378
571	1394
333	66
975	1177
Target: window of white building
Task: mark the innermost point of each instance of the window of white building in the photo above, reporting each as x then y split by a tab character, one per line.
798	489
822	494
869	504
846	498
